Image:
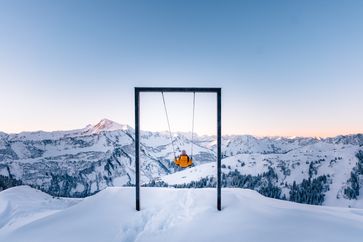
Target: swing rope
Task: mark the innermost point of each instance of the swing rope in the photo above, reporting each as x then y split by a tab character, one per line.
170	134
191	153
167	118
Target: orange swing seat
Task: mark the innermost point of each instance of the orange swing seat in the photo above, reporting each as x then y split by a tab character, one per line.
183	161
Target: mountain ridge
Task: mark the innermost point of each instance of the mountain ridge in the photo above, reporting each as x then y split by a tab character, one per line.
113	125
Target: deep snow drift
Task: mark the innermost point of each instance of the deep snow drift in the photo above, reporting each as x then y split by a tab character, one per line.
170	215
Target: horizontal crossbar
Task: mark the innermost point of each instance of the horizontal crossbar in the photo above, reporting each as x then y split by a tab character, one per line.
178	89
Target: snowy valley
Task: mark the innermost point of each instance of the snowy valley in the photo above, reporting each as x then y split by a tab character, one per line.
79	163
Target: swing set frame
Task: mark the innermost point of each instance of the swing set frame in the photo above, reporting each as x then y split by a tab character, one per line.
218	92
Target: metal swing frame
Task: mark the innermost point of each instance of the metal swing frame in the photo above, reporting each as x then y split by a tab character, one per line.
218	92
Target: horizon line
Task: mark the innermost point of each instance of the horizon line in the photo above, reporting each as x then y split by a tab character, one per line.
186	132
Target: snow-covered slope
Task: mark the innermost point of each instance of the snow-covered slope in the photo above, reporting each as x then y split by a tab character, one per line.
172	215
22	205
334	161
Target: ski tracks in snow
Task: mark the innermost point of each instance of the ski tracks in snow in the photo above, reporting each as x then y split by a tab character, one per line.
151	221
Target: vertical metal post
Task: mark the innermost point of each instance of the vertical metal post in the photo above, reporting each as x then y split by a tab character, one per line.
219	155
137	147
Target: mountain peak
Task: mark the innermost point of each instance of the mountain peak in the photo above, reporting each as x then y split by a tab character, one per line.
107	125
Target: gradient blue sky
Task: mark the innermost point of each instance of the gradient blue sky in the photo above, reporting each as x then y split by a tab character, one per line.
292	68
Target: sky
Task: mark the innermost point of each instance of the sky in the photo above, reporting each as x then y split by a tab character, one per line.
286	68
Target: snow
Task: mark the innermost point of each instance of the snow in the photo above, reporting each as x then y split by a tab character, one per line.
191	174
22	205
170	215
120	181
296	160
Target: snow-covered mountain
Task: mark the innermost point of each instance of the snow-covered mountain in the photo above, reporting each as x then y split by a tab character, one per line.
80	162
171	215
